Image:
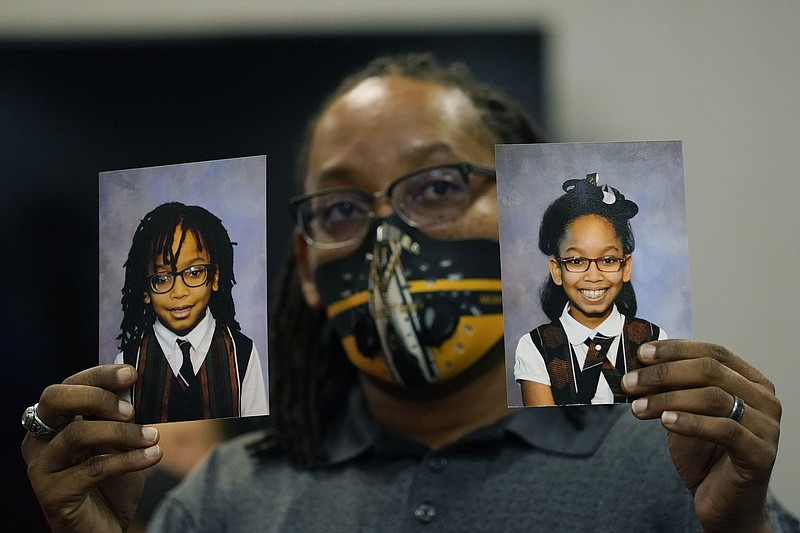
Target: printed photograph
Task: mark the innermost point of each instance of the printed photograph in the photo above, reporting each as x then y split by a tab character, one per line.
183	290
595	263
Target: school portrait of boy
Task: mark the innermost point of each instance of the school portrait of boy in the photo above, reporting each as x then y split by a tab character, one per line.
576	308
186	244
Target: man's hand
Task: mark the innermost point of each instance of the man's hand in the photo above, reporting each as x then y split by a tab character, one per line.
89	476
726	464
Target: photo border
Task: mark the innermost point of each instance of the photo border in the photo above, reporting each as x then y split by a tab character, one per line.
650	173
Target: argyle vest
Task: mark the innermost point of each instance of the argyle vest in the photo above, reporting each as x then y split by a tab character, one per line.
551	341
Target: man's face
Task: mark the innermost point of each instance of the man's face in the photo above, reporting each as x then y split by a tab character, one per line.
385	128
183	307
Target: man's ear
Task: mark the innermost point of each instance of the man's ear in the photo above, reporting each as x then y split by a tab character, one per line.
555	271
308	286
146	297
215	283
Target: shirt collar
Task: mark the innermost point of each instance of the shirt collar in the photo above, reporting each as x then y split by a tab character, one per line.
576	431
352	433
577	333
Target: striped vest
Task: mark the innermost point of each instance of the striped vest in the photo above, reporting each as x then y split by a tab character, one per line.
157	391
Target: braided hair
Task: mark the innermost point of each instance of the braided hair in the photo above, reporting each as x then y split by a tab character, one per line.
585	197
153	240
309	371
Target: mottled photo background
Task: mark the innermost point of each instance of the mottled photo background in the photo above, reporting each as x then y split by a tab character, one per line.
650	173
233	189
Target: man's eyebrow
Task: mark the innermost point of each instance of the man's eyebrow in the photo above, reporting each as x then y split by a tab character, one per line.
420	152
334	174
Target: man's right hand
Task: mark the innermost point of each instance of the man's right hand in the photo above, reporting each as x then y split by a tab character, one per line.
89	477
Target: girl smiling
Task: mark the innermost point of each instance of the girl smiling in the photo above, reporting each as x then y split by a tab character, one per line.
580	357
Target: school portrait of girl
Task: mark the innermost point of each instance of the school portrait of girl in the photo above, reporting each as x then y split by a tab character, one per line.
186	246
595	263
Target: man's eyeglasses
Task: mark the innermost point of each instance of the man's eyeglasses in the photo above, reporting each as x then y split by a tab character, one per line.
193	276
581	264
334	218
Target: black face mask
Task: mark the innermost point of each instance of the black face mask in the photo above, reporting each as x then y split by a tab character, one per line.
412	309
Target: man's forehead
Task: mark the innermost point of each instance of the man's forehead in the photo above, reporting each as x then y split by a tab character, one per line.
413	122
366	94
416	155
380	90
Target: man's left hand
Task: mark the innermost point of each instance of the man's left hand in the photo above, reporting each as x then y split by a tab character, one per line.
725	463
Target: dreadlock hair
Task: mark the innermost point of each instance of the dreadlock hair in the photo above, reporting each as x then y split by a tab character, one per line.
309	371
584	197
154	239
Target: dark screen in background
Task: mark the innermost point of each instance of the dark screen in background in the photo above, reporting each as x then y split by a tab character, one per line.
69	110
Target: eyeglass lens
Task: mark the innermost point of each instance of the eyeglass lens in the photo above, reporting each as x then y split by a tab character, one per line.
604	264
439	195
194	276
430	197
336	216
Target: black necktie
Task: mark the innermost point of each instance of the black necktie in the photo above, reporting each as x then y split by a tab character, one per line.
598	354
186	375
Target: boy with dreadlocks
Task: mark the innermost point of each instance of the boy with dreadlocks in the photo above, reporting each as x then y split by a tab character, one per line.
179	328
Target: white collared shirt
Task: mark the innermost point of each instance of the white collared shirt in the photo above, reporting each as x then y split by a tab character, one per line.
529	364
200	339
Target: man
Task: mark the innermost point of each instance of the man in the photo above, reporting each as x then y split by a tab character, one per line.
398	224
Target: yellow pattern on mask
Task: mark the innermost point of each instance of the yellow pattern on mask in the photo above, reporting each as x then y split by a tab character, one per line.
473	337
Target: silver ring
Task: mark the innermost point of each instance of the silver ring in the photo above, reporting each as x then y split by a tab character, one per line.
737	412
34	424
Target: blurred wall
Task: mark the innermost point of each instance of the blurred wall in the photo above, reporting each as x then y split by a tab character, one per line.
720	75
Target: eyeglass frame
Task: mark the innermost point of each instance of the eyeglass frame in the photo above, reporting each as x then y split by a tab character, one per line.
619	261
209	267
467	170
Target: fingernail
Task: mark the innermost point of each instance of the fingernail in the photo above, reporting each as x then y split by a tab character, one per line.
630	380
152	451
639	406
669	417
150	433
647	351
124	374
125	408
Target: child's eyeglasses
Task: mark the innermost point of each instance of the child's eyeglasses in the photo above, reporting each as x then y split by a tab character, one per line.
193	276
581	264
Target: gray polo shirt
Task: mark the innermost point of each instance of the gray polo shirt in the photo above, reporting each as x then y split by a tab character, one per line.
598	469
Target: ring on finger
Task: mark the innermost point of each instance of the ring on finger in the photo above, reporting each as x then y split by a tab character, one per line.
35	425
737	412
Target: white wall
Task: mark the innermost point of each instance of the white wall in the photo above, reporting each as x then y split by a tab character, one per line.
722	76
